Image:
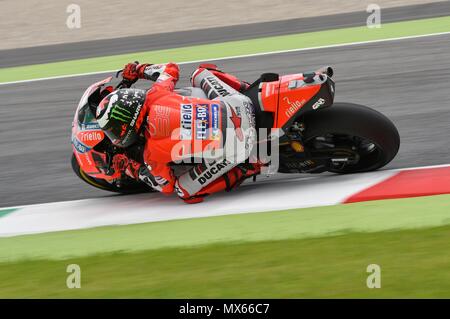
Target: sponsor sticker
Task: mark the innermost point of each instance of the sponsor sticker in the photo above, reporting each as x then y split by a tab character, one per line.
215	131
293	106
121	114
90	138
186	122
80	147
219	89
201	121
90	126
132	123
213	171
318	104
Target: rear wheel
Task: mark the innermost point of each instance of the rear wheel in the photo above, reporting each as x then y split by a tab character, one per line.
353	137
128	187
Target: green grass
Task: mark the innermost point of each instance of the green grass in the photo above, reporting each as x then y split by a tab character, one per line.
414	263
297	223
318	252
232	48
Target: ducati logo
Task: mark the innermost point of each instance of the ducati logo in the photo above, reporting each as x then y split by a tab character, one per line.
213	171
217	86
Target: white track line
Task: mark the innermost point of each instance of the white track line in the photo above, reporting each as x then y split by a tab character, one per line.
242	56
247	184
144	208
321	190
301	177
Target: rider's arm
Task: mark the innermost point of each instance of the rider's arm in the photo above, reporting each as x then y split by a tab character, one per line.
165	75
163	175
159	176
121	166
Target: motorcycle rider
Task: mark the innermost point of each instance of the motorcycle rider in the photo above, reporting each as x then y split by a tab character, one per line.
171	123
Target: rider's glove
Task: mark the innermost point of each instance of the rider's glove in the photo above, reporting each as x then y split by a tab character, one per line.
146	177
158	72
134	71
124	165
157	182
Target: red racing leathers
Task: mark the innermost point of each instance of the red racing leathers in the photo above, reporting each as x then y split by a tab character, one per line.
180	128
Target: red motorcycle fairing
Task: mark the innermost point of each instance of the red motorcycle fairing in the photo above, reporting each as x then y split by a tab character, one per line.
285	98
86	133
280	101
288	97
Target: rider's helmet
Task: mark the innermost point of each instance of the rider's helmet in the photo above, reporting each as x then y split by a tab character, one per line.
118	113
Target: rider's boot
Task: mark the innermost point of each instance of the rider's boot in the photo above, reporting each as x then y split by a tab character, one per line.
227	182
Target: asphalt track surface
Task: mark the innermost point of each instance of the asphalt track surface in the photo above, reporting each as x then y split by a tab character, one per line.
87	49
408	80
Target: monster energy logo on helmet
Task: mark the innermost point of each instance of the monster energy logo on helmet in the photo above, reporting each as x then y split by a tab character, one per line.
117	115
121	114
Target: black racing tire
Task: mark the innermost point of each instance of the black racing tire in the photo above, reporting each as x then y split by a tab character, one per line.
129	188
357	121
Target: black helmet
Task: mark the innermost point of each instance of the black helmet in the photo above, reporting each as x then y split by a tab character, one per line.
117	115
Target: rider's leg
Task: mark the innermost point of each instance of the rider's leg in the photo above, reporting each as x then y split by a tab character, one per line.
238	130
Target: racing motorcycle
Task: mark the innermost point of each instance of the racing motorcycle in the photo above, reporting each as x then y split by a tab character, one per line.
317	135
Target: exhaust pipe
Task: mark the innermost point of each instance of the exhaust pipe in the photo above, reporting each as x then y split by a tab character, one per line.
328	70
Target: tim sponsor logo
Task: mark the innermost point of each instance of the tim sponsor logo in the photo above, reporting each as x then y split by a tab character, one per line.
293	106
92	136
186	122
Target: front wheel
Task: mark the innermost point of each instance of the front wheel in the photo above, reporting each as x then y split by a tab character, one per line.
355	138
